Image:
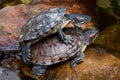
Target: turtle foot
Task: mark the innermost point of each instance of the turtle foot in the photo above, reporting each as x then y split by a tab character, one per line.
78	59
26	55
68	39
39	70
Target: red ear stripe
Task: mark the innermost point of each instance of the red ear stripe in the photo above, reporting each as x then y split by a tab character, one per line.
92	35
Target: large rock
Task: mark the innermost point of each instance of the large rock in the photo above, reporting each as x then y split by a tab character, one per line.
110	6
109	38
7	42
109	12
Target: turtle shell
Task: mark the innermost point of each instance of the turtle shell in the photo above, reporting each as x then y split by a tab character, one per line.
52	50
41	23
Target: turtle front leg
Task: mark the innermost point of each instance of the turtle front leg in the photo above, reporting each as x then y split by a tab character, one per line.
26	55
39	69
80	57
67	39
78	19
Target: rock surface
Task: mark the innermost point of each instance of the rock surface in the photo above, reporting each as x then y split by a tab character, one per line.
108	12
7	42
111	7
109	38
10	69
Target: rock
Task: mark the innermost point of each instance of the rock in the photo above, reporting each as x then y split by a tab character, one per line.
10	70
1	56
12	64
108	12
109	38
2	1
8	46
9	75
1	70
26	1
110	6
7	42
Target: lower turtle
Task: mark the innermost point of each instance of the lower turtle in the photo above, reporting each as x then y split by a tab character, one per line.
51	50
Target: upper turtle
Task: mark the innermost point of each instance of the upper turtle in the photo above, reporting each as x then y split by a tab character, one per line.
41	23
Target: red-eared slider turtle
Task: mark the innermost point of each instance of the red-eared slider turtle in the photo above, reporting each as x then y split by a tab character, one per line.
51	50
47	23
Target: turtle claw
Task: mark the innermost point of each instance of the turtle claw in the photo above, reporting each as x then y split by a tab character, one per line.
39	70
26	55
78	59
73	65
68	39
26	58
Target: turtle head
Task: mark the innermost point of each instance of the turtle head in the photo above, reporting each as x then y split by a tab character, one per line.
90	35
78	19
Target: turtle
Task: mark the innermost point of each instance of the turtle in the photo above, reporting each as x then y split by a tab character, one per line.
51	50
46	23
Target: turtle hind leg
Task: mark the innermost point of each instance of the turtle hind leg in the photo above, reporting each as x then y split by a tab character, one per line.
39	69
26	55
78	59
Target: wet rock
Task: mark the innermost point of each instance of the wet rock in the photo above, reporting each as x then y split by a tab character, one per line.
108	12
110	6
1	70
1	56
26	1
11	69
109	38
7	42
12	64
98	64
8	46
2	1
9	75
